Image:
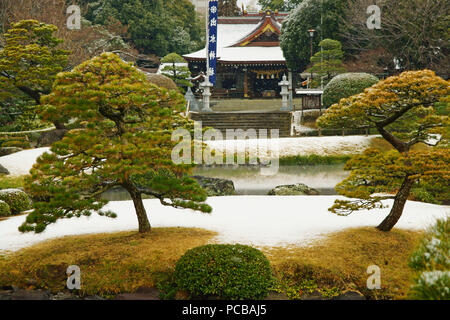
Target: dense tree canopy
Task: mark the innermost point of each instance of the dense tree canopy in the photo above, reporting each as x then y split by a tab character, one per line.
327	62
29	62
154	26
280	5
414	31
228	8
402	109
295	39
121	137
176	70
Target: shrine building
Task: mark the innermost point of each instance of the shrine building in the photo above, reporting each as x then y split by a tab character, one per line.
250	62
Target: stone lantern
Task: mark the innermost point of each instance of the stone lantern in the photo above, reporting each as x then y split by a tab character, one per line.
284	84
206	86
190	98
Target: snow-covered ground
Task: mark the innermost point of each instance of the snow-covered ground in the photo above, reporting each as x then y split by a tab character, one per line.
20	163
256	220
335	145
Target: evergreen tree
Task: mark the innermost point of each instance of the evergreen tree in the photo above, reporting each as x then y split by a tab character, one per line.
30	61
280	5
228	8
295	39
121	137
153	26
178	73
402	109
327	63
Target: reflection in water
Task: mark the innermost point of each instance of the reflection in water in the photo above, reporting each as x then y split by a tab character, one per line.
249	181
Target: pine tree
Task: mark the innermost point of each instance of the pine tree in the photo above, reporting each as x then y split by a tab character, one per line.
228	8
30	60
402	109
121	137
327	63
178	73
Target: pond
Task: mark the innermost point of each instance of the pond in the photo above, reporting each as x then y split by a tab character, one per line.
249	181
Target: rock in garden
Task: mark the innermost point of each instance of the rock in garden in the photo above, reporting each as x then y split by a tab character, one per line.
298	189
30	295
350	295
215	186
9	150
3	170
141	294
49	137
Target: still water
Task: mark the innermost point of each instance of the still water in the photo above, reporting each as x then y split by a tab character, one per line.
249	180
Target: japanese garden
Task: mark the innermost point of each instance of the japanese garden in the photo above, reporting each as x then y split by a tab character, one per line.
224	150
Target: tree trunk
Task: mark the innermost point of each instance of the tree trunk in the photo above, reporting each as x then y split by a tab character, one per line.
144	224
398	206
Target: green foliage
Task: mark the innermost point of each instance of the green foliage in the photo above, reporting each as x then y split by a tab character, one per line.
17	200
175	71
313	159
432	262
29	63
122	137
11	182
402	109
346	85
228	8
30	59
295	39
384	172
328	61
305	287
16	143
166	284
5	210
226	271
280	5
157	26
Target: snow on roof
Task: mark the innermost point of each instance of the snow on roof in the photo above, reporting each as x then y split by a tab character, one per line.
243	54
228	34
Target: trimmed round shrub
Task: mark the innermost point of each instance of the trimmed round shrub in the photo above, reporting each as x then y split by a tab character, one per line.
161	81
346	85
5	210
17	200
224	270
16	143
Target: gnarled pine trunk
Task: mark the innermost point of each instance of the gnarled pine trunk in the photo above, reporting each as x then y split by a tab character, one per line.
144	224
397	208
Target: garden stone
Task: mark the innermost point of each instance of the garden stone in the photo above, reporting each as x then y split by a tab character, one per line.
298	189
3	170
94	298
65	296
30	295
350	295
9	150
215	186
49	137
141	294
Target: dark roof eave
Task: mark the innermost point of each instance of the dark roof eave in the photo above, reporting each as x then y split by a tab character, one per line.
238	62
